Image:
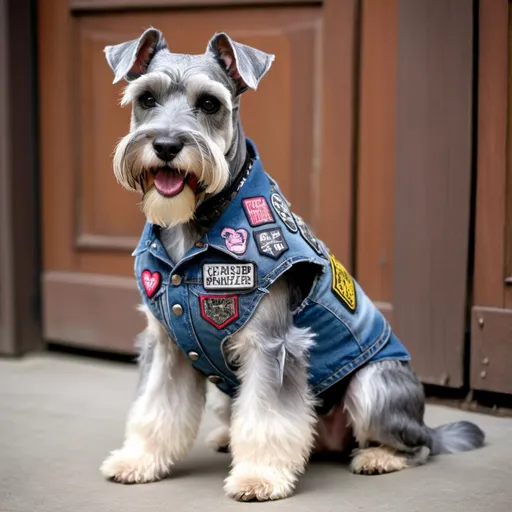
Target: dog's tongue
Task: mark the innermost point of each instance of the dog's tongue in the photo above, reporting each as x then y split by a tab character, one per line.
169	182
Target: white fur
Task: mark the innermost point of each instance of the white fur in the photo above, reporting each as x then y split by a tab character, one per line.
169	211
272	429
220	404
163	421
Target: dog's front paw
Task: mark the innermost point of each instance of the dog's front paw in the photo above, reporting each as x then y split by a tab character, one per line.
261	483
219	439
131	468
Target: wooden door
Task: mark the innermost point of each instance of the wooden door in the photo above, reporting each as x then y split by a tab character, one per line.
491	319
302	109
414	175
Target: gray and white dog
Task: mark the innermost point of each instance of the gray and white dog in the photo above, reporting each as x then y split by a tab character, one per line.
185	146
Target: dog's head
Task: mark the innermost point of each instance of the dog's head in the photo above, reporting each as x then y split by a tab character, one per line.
184	119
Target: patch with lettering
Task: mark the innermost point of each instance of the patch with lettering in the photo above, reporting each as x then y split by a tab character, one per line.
236	239
219	310
151	282
229	276
307	234
282	209
270	242
343	285
257	211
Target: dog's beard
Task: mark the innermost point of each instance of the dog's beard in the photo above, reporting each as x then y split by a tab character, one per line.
169	211
135	163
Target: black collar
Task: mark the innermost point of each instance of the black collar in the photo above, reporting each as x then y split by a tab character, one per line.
211	209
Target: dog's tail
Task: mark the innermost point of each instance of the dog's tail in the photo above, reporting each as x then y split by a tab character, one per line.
461	436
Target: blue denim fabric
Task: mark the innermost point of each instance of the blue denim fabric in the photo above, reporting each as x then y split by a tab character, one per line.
345	340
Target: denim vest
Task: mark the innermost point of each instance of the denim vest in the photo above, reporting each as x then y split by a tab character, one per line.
212	292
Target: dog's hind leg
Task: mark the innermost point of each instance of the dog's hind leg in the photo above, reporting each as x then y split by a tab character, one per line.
220	404
164	419
273	421
386	405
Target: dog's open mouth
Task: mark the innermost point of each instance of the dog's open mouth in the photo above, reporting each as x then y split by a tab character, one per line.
170	182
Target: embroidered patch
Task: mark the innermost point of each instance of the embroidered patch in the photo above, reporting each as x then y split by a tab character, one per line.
282	209
343	284
236	239
257	211
219	310
270	242
150	282
229	276
307	234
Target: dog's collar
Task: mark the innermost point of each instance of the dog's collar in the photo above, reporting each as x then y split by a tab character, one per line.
212	208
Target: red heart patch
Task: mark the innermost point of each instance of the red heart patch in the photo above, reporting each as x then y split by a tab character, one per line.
151	282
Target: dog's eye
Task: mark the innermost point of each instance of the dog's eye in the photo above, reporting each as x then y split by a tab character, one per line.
147	100
208	104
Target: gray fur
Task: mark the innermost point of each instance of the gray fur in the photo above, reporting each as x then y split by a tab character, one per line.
386	405
461	436
246	65
123	58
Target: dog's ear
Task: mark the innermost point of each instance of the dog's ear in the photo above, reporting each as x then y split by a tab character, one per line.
244	64
130	60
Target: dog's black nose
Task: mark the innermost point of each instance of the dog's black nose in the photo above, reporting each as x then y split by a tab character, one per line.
166	148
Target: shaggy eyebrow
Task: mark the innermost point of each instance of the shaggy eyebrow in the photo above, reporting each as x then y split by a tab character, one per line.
198	85
158	83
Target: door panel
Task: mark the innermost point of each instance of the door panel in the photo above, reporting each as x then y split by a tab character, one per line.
90	223
491	325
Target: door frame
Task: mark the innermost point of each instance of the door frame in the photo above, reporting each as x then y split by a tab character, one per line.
20	326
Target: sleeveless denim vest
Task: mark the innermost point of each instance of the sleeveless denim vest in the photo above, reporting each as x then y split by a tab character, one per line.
212	292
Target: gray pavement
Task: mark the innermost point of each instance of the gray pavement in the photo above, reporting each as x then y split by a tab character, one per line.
60	416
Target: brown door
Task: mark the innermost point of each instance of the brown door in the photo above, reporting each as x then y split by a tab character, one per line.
491	325
91	225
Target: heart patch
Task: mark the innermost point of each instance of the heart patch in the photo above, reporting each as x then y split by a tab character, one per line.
151	282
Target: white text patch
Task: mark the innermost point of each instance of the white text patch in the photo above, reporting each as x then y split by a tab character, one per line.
229	276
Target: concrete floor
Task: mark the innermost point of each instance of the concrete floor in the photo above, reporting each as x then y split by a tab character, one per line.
60	416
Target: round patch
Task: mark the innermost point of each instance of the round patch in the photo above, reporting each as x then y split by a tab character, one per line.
307	234
282	209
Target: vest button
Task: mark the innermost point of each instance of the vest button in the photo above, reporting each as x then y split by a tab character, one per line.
177	310
154	246
215	379
176	280
193	356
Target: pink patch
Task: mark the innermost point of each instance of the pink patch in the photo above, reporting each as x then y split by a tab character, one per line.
257	211
151	282
236	239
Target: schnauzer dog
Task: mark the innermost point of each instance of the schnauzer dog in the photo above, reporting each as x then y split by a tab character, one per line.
242	298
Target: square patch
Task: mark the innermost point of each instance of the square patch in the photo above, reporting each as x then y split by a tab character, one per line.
219	310
229	276
257	211
270	242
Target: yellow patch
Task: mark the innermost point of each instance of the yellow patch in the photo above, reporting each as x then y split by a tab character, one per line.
343	284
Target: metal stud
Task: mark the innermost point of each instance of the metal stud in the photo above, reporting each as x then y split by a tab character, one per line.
483	375
177	310
485	360
193	356
176	280
154	246
214	379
